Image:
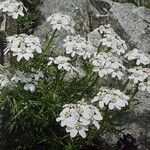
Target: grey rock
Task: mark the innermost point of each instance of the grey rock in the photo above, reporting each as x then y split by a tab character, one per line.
132	22
144	13
65	6
75	8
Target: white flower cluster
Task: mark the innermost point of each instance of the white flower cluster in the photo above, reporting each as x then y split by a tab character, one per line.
108	64
145	86
112	40
30	80
63	63
77	45
139	74
78	117
60	21
23	46
12	8
4	81
139	56
113	98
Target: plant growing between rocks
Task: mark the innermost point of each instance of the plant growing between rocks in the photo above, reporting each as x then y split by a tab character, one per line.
65	101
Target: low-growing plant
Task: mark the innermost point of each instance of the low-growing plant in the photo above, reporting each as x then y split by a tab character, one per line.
44	90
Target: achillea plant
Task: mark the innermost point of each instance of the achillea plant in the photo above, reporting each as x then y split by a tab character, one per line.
44	89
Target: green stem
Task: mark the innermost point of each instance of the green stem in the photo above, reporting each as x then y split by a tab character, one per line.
53	36
134	92
56	85
124	86
99	48
49	41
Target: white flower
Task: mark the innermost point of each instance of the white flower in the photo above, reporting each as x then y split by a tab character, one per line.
60	21
112	98
62	62
139	56
78	117
30	87
112	40
108	40
37	74
119	47
78	128
139	74
19	76
92	114
12	8
77	45
107	64
28	79
4	81
119	100
66	117
117	74
51	60
106	29
144	86
103	97
23	46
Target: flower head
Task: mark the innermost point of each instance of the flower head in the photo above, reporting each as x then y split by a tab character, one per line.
107	64
28	79
144	86
62	62
78	117
60	21
12	8
139	56
77	45
112	40
23	46
113	98
139	74
4	81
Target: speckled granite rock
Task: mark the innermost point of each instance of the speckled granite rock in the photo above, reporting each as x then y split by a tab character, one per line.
131	22
69	7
